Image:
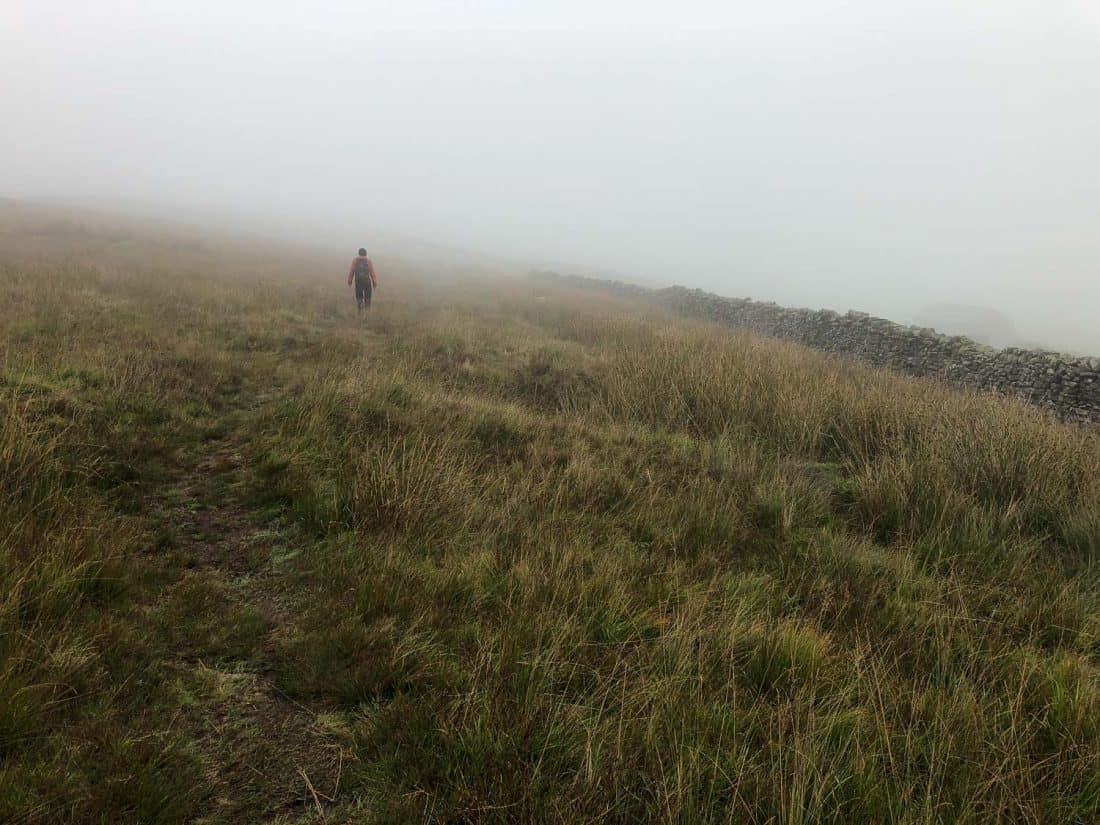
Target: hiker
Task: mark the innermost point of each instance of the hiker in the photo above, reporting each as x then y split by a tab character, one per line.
366	281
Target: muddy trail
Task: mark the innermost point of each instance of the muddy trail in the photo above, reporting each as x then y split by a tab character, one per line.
267	757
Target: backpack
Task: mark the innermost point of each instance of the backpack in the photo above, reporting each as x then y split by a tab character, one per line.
362	269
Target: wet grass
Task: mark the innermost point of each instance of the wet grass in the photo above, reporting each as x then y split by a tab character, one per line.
511	554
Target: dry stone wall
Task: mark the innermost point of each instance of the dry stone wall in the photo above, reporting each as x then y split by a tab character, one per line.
1067	385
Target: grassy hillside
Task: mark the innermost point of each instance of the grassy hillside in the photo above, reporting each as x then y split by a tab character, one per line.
511	554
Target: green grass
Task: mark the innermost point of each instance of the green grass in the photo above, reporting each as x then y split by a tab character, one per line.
513	554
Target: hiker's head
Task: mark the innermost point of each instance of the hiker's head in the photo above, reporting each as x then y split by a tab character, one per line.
362	252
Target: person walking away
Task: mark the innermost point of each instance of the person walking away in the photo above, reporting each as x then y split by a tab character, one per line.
364	277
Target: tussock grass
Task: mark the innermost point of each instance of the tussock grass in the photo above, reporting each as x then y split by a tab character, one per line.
534	555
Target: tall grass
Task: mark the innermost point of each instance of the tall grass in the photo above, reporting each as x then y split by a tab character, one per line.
537	556
705	578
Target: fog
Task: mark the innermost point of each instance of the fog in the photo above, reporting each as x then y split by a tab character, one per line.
890	157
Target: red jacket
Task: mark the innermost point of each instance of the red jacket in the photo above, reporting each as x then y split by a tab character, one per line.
370	270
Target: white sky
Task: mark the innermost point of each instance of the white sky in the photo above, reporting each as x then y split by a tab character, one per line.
876	155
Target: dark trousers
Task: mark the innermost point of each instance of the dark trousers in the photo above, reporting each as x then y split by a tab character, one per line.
363	290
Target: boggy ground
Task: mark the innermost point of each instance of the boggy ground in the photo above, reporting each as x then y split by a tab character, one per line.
512	554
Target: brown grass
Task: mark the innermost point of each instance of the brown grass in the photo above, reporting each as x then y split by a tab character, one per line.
521	555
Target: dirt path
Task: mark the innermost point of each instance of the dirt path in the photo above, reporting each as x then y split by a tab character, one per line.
270	758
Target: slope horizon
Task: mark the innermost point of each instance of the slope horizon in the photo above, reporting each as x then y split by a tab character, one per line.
952	318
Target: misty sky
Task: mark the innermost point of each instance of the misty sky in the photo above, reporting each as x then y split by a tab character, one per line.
868	154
